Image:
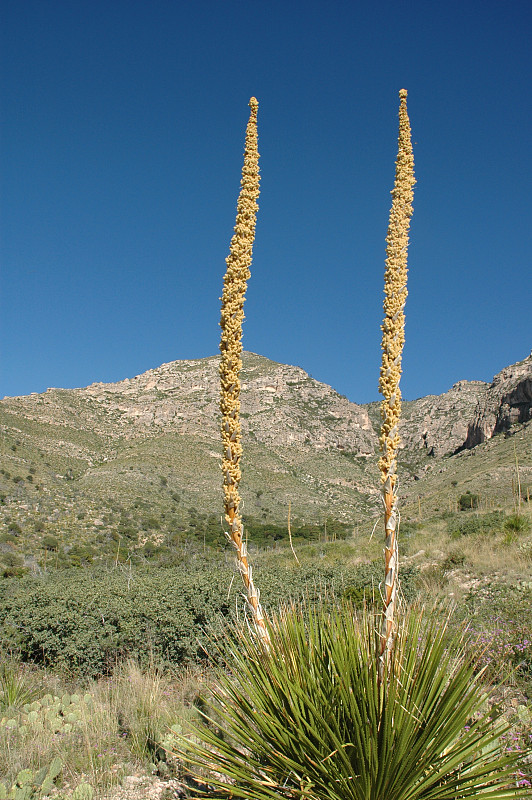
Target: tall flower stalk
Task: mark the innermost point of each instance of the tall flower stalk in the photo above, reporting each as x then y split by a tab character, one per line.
235	283
393	337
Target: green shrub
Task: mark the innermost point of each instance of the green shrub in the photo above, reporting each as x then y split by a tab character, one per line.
408	529
454	559
127	531
49	543
12	565
359	596
477	524
14	528
81	554
468	500
86	620
323	584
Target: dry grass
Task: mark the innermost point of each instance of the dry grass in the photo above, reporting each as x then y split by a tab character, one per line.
121	730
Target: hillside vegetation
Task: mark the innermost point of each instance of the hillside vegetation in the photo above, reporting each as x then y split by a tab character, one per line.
116	575
103	472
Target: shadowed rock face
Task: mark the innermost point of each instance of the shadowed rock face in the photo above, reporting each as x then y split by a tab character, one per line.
505	402
439	424
469	413
516	406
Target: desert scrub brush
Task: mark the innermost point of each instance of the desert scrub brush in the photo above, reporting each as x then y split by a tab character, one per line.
393	337
235	283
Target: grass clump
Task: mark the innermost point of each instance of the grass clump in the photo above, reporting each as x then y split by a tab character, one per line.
16	687
515	524
100	733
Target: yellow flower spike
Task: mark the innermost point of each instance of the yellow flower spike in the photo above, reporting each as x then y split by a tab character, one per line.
393	337
232	316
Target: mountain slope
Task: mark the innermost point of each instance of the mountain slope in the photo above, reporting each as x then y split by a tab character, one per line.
139	459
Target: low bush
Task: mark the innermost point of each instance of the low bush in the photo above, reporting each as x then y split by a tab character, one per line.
88	619
14	528
453	560
468	500
85	620
49	543
477	524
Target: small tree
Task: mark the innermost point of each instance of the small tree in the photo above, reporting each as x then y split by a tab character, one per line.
468	501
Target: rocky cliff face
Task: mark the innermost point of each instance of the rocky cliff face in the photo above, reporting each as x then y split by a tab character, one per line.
505	402
437	425
470	413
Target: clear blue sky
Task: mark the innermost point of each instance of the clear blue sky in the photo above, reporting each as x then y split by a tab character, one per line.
122	138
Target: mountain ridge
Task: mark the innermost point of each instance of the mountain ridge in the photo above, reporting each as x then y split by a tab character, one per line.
145	452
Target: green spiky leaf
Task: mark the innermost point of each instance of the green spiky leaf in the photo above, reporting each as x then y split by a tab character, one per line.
309	718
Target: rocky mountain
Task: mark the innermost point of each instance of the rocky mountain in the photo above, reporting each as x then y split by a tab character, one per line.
82	460
471	412
281	406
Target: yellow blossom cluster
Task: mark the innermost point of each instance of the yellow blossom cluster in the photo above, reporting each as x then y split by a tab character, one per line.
395	293
232	316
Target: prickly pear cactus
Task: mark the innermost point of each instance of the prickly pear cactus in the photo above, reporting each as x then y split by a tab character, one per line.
83	792
56	714
31	785
44	780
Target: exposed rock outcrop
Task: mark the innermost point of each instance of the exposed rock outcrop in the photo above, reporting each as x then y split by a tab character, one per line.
506	402
439	424
471	412
281	406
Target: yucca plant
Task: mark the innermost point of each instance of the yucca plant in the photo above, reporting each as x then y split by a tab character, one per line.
16	688
393	337
310	718
234	291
